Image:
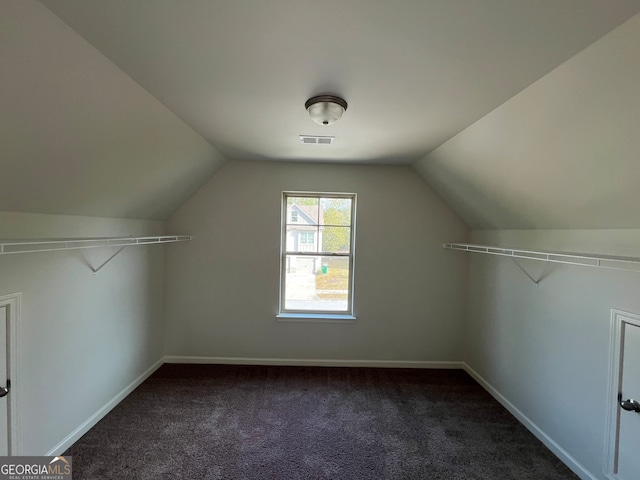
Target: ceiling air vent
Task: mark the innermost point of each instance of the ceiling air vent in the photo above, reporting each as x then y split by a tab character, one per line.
315	140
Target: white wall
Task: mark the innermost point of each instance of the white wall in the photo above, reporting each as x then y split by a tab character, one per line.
222	288
84	338
546	349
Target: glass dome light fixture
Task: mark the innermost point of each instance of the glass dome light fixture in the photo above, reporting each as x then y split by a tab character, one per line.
325	109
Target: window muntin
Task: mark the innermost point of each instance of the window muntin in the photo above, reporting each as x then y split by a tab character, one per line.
317	253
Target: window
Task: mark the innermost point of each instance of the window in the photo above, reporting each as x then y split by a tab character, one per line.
306	238
317	254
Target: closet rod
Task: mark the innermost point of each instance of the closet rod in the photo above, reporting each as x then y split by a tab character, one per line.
55	244
614	262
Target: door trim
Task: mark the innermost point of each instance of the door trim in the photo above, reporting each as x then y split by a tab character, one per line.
618	319
13	304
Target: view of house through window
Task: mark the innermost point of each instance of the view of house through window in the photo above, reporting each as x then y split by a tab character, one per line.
317	253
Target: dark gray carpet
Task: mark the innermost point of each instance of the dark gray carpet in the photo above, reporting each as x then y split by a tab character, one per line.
244	422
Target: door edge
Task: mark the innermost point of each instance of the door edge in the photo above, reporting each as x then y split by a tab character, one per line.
13	304
618	317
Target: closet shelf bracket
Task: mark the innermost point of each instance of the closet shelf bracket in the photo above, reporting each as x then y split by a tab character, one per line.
535	282
96	270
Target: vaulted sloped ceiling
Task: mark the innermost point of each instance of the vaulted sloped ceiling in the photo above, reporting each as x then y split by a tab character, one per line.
414	72
124	107
79	136
563	153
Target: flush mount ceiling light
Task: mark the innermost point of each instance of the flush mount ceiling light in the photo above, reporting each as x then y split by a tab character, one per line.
325	109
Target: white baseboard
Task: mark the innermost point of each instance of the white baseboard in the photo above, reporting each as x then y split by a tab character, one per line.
97	416
314	362
560	452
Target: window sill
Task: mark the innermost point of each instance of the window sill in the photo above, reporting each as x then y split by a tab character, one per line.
315	317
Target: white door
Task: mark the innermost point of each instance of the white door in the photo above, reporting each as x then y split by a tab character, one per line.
4	401
629	433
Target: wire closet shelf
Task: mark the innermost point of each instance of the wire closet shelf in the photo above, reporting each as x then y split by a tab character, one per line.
55	244
58	244
583	259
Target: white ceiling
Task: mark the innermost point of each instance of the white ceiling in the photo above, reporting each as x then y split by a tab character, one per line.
122	108
80	137
414	72
562	154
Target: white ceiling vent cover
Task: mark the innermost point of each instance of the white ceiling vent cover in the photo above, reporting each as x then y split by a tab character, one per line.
316	140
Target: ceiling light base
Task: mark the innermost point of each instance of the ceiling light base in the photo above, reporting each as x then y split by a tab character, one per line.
325	109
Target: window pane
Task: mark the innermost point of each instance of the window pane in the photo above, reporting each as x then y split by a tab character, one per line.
302	210
335	239
302	238
335	211
316	283
307	238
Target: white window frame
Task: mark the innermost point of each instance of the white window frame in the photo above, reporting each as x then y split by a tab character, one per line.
317	315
